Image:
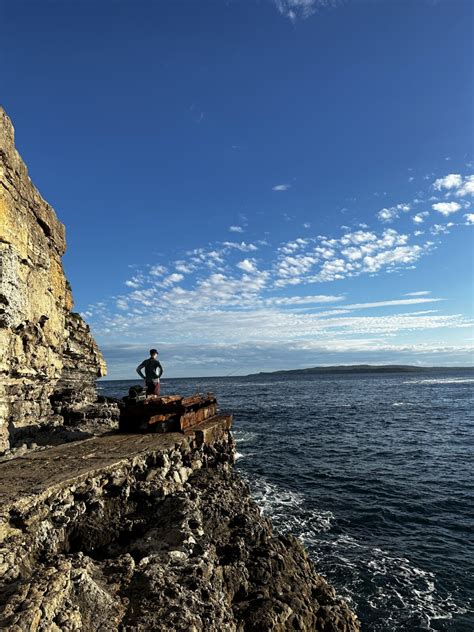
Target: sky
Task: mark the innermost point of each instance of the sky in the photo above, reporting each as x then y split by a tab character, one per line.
254	185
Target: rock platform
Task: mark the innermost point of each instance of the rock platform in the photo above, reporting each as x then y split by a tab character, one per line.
150	532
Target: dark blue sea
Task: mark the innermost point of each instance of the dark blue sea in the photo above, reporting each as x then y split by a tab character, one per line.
374	474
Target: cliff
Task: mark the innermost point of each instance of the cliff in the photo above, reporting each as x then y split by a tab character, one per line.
45	349
120	531
150	532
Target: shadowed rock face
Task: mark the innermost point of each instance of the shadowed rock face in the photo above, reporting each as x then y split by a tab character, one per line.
44	347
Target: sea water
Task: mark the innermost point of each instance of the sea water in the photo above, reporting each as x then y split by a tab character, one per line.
374	474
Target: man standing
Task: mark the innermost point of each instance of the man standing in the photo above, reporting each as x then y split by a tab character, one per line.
152	379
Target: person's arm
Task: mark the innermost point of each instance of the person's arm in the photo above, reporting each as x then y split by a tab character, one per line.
161	369
139	369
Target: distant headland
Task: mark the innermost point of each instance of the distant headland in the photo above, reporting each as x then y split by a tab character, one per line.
365	368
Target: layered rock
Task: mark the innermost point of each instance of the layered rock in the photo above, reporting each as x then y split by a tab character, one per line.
150	532
44	347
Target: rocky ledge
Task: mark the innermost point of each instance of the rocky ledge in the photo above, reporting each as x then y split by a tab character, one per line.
150	532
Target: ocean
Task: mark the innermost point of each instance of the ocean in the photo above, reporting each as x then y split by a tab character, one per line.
373	473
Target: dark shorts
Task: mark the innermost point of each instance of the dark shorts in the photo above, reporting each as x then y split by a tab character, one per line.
153	388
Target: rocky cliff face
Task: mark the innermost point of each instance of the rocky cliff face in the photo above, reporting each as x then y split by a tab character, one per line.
44	347
150	532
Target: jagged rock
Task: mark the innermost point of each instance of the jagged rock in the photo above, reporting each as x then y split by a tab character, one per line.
150	532
45	348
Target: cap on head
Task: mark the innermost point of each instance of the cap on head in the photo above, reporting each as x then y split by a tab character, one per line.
153	352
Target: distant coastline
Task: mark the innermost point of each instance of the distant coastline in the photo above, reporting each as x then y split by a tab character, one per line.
344	369
364	368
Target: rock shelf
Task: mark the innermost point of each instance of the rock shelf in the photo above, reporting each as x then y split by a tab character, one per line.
150	532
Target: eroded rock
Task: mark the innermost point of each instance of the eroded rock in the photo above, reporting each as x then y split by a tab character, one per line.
150	532
45	349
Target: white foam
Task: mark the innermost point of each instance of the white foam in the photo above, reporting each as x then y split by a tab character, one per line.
243	436
443	380
285	508
394	586
242	455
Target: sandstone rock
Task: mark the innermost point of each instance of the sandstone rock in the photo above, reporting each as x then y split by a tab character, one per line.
45	349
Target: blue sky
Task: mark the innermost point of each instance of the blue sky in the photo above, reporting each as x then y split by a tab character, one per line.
254	185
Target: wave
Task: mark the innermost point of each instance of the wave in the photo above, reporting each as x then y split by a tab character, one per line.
286	509
443	380
243	436
398	595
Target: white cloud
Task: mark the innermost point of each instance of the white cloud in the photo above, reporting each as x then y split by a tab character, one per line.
121	303
352	254
390	214
158	270
247	265
281	187
293	246
392	303
439	229
294	266
173	278
446	208
229	301
467	187
184	267
236	229
419	218
242	246
300	9
304	300
358	237
451	181
455	183
392	258
136	281
307	225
